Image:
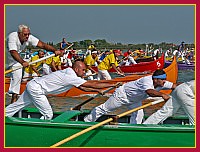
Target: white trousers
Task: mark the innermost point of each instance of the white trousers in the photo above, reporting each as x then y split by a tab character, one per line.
68	62
131	60
118	99
15	80
103	75
28	75
89	72
46	69
183	97
32	94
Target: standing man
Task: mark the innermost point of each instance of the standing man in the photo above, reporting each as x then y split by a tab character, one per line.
54	83
110	61
132	94
17	42
181	47
64	44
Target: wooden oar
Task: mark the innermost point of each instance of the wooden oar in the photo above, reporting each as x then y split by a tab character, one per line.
138	73
103	122
89	75
78	107
19	67
30	77
69	46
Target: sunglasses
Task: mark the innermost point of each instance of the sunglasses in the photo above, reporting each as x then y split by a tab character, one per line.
26	34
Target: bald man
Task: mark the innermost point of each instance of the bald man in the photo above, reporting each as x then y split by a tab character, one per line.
54	83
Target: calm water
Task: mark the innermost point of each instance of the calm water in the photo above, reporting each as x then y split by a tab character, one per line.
65	103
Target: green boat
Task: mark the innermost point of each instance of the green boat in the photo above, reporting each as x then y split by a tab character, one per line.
29	131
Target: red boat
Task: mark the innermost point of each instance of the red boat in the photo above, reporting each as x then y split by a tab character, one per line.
150	66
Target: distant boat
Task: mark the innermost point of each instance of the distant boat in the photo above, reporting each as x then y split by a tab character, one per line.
142	66
181	65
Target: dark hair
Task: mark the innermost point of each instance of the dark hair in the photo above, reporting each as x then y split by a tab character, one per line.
40	51
158	72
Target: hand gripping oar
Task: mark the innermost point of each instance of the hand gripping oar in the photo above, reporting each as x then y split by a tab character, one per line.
104	122
86	76
19	67
78	107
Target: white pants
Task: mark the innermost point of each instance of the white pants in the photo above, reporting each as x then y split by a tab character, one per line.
28	75
68	62
89	73
15	80
131	60
32	94
46	69
118	99
103	75
182	96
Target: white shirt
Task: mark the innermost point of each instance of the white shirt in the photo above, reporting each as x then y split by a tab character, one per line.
15	44
167	53
175	51
191	85
155	52
135	90
59	81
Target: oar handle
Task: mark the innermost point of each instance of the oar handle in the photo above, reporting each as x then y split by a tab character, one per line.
69	46
13	69
30	77
78	107
19	67
41	59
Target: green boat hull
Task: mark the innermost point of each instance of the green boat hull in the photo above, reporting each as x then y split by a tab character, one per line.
32	132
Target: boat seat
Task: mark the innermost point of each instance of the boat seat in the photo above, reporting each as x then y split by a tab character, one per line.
66	116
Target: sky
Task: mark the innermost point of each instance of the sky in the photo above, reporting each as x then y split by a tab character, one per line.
130	24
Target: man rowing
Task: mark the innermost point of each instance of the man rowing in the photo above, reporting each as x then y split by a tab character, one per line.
54	83
89	62
132	94
110	61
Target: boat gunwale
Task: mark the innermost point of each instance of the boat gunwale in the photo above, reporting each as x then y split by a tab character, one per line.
119	126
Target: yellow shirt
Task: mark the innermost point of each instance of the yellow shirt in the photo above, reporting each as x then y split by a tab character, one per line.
29	69
107	61
89	61
48	61
56	59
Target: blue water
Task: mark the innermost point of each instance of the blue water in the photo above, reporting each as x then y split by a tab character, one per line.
186	75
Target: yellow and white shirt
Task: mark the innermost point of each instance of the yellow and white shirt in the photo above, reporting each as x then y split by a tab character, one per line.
29	69
89	61
107	61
